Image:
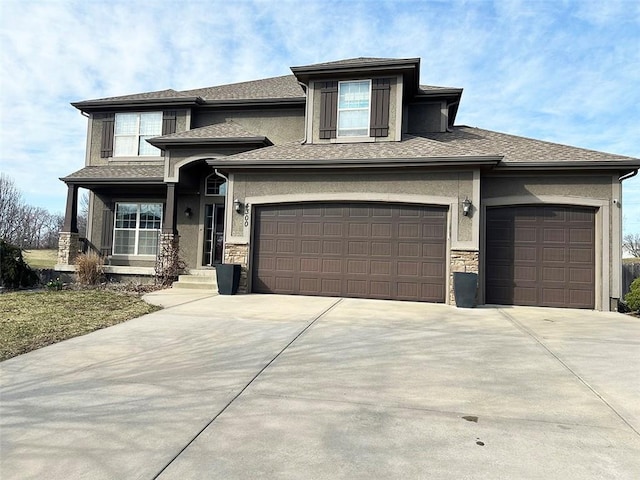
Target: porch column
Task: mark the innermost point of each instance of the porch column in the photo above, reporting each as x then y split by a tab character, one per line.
71	212
170	211
68	242
168	264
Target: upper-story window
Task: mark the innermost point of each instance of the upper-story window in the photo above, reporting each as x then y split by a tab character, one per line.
215	185
354	107
131	131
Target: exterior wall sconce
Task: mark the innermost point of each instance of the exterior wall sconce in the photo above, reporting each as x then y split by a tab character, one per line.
466	207
188	212
238	206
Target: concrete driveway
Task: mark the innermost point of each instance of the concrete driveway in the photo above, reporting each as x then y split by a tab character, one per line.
295	387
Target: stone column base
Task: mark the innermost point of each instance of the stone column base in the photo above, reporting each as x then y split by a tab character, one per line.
461	261
239	253
68	247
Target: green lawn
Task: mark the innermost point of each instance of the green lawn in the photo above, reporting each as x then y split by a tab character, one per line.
40	258
31	320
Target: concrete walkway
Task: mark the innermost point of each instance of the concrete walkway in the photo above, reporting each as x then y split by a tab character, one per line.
258	386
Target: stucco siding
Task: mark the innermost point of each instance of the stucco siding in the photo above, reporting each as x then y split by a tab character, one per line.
281	126
579	186
419	187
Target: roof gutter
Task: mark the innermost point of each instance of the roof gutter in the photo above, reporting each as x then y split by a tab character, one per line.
627	175
489	161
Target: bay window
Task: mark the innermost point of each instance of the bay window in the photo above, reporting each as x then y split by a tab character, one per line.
137	228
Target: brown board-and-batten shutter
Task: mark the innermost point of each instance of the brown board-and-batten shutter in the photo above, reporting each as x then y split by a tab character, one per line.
106	237
168	123
328	109
380	98
108	124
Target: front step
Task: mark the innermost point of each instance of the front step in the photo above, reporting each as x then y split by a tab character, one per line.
198	280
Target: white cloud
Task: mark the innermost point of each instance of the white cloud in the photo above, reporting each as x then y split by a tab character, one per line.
565	71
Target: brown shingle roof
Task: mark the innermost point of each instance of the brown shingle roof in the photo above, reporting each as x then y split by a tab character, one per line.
463	142
105	173
275	87
228	129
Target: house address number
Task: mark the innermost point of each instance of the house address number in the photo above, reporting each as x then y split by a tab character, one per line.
247	212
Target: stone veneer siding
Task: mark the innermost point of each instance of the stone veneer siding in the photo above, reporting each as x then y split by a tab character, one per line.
239	253
68	245
462	261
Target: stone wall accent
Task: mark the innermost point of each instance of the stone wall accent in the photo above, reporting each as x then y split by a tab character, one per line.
461	261
68	248
168	264
239	253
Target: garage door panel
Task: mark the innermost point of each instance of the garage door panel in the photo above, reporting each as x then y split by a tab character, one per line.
408	249
409	230
581	255
310	265
357	267
331	266
525	235
558	269
433	251
308	286
580	236
381	230
358	248
553	254
310	229
310	247
380	249
520	253
380	268
355	250
331	247
359	230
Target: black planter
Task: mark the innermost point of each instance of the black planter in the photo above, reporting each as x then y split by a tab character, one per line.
465	286
228	275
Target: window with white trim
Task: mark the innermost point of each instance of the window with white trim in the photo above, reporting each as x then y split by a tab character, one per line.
137	228
131	132
354	103
215	185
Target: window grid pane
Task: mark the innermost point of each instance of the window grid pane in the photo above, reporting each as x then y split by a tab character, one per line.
136	228
126	124
131	132
353	108
124	242
125	146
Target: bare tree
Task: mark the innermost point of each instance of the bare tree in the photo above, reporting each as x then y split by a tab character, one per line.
631	243
10	207
83	213
24	225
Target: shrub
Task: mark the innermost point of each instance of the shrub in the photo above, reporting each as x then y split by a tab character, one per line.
89	268
14	271
632	299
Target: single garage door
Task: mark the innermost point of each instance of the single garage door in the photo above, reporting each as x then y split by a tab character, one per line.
386	251
541	255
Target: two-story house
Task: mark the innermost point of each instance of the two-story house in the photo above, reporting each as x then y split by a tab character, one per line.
348	178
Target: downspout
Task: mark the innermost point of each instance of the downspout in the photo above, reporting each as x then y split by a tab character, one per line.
628	175
227	207
306	110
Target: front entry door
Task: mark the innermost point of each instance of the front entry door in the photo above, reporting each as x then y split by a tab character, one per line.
213	234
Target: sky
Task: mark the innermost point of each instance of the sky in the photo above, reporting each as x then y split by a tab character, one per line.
562	71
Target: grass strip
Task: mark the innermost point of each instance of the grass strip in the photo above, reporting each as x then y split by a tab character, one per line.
31	320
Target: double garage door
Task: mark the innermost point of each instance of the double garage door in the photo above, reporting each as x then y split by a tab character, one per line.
541	255
365	250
